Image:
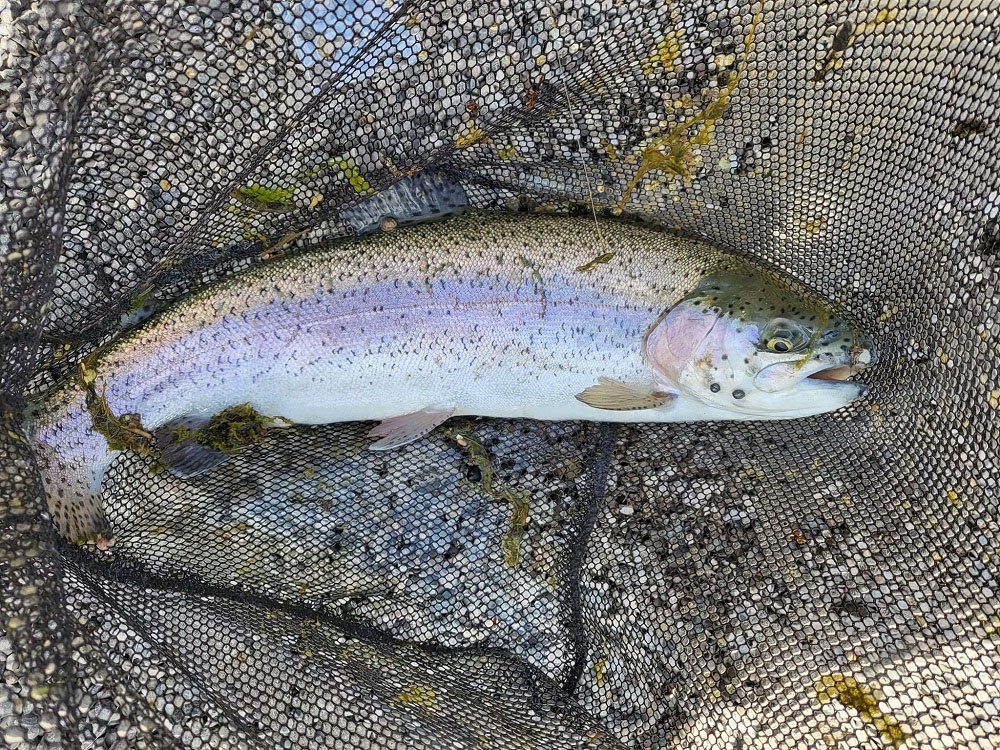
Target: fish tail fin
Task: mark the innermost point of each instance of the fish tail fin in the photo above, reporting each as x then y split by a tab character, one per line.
426	196
73	494
72	460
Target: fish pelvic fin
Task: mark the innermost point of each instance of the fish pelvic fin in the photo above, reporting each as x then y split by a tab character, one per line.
398	431
614	395
193	444
181	453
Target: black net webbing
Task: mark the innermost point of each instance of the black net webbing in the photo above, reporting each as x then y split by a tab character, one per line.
829	582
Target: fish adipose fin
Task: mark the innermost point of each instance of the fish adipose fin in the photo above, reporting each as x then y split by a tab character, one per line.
396	431
414	199
615	395
181	453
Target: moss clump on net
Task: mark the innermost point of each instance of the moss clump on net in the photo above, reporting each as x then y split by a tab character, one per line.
466	438
234	428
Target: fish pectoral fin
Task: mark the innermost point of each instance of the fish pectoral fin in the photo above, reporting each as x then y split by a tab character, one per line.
396	431
615	395
181	453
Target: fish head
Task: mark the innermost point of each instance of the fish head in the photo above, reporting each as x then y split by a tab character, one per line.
757	344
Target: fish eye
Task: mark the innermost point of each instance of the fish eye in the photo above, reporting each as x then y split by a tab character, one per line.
783	336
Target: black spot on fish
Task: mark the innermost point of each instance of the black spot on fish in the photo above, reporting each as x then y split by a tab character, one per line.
738	394
715	387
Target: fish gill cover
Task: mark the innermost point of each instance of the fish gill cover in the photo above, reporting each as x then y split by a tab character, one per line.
830	582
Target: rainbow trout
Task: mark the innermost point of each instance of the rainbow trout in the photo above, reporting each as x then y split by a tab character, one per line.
478	314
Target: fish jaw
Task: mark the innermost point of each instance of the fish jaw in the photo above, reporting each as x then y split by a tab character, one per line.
813	396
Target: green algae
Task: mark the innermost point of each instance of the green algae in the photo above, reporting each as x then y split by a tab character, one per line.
676	153
466	438
279	198
665	55
850	693
124	432
234	428
994	629
592	264
969	127
574	468
469	134
140	299
423	696
228	431
349	170
507	153
250	568
263	198
846	35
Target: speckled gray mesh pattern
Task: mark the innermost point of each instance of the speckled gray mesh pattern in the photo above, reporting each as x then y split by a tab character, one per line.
825	583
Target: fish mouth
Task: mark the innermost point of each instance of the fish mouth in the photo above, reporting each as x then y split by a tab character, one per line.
837	373
841	373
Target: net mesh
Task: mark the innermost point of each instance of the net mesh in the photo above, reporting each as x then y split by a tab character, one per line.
828	582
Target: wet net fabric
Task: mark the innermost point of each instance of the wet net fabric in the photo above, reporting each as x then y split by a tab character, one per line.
828	582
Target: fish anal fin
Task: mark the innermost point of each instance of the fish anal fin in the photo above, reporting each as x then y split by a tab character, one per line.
394	432
181	453
614	395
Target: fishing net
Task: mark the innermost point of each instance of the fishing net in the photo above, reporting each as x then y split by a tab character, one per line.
826	582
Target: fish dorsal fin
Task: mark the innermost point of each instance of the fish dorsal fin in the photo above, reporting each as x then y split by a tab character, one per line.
615	395
397	431
426	196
